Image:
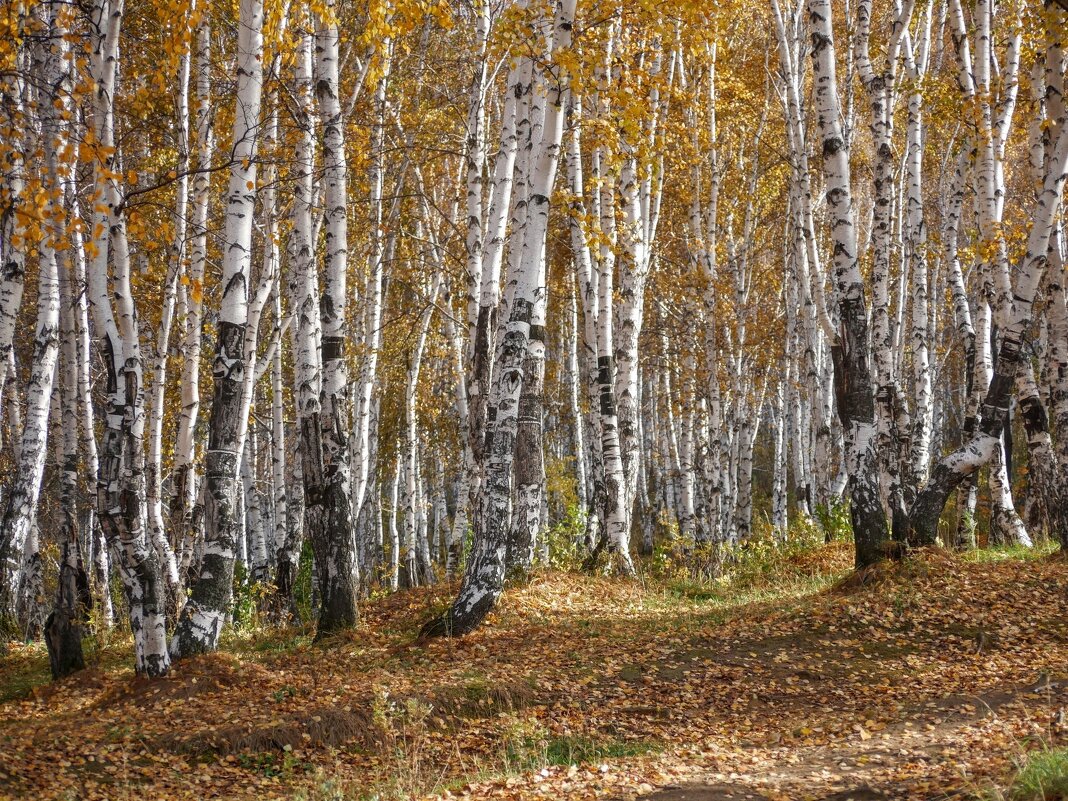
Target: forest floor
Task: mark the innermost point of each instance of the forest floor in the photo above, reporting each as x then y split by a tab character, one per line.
930	679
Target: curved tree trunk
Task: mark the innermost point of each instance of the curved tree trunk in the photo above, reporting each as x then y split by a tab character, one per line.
484	576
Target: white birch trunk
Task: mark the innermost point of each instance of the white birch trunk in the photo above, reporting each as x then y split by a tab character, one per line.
204	613
484	577
33	449
335	542
856	406
185	455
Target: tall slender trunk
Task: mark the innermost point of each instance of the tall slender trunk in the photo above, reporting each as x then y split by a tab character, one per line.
380	252
484	576
853	381
175	272
185	516
65	626
22	499
916	250
21	508
411	432
335	542
205	610
12	257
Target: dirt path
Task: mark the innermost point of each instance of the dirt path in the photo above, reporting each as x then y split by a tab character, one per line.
936	737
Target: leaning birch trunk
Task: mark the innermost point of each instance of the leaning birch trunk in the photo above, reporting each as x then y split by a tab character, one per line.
1045	478
853	381
204	613
120	495
484	577
978	451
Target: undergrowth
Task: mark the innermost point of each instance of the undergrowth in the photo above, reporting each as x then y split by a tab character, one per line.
1042	776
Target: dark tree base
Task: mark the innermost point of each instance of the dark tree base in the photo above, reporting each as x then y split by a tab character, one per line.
63	636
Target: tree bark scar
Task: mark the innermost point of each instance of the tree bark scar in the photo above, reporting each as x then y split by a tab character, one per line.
333	348
1034	415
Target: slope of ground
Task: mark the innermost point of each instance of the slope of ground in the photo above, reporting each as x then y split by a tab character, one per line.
925	681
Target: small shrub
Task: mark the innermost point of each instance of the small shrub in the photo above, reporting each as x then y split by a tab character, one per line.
834	519
323	787
566	551
405	736
249	598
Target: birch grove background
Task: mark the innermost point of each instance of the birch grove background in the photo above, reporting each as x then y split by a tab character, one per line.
307	302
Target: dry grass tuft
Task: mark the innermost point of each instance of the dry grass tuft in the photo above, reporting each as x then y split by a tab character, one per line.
200	675
319	727
482	700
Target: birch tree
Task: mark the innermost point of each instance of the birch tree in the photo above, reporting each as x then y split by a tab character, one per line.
484	576
204	613
852	374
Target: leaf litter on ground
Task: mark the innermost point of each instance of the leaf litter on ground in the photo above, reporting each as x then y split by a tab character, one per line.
927	679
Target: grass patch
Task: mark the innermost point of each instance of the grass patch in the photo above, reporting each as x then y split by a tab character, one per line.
532	753
23	668
573	750
760	570
1042	777
1010	553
